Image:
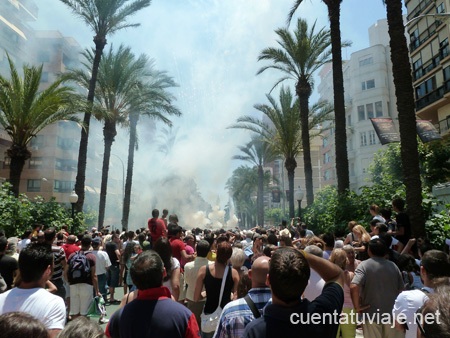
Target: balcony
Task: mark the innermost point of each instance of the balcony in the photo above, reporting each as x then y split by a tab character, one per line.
416	42
443	126
430	65
418	9
433	96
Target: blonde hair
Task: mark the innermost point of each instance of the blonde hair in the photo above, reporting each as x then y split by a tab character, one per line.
339	257
363	234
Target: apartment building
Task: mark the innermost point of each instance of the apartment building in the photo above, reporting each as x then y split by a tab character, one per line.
428	27
51	171
369	93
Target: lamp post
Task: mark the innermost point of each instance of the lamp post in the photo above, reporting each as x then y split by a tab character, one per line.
73	199
299	196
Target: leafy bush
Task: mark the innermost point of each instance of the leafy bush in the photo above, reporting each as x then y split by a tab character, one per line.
275	215
18	214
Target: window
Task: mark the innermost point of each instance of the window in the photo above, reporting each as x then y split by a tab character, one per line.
349	119
363	138
327	175
65	143
44	77
325	142
326	157
444	49
33	185
6	163
369	109
415	39
446	73
37	142
369	84
35	163
63	186
378	109
352	169
372	137
417	68
426	87
361	113
65	164
366	61
440	8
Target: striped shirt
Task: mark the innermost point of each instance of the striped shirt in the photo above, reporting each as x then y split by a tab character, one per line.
58	256
237	314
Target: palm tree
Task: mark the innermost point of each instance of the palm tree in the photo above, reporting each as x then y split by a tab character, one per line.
258	152
284	135
156	102
342	173
300	56
125	84
241	185
104	17
401	69
24	111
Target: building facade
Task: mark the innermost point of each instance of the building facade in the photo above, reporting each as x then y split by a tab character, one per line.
430	58
369	93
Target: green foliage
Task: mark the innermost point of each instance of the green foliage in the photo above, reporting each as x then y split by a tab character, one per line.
435	161
275	215
18	214
386	167
438	228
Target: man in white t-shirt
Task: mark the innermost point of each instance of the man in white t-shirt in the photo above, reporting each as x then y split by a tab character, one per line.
36	268
435	264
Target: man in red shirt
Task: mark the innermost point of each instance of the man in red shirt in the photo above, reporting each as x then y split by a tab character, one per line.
156	226
178	246
70	247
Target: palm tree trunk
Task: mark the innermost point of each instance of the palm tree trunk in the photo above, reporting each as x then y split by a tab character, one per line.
18	156
304	91
134	117
109	132
334	8
82	152
260	196
401	69
290	165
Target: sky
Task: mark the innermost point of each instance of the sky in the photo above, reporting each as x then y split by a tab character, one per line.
210	48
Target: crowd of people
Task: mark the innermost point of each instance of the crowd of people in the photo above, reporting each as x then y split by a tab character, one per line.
264	282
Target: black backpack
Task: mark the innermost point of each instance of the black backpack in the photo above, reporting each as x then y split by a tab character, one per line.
79	268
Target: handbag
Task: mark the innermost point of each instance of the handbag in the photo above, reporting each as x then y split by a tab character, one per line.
97	307
210	321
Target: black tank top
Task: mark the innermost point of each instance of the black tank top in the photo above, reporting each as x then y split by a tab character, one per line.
212	287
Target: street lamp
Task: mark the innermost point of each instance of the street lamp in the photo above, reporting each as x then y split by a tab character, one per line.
436	16
299	196
73	199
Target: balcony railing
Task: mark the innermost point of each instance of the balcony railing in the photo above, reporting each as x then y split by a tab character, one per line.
433	96
424	36
444	125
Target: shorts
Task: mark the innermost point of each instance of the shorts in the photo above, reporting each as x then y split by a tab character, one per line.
113	276
80	298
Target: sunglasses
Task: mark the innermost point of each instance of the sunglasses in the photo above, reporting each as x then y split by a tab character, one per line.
419	318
